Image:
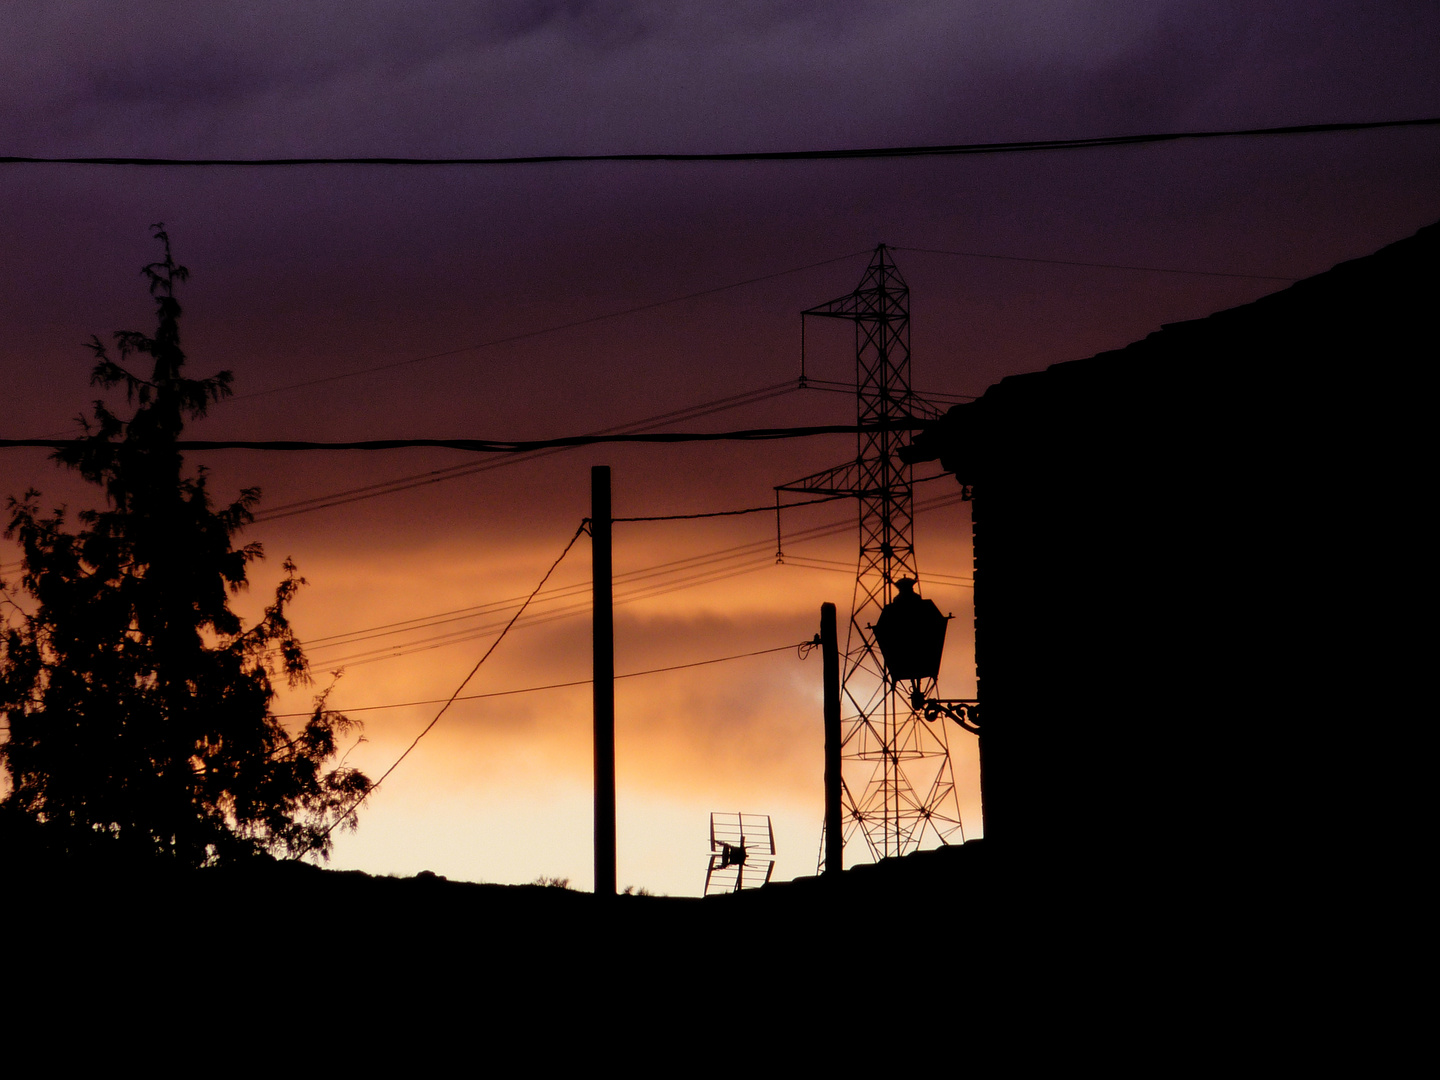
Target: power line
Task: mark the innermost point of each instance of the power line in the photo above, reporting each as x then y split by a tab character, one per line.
500	446
454	472
935	150
493	645
704	569
697	574
732	513
812	383
752	397
1100	265
687	565
556	328
700	577
710	558
809	562
555	686
698	570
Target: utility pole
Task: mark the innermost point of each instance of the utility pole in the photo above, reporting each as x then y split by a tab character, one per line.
604	676
834	782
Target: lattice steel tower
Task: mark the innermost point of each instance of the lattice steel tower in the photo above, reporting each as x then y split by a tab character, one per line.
899	784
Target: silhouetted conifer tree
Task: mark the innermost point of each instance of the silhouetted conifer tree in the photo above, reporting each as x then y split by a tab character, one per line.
139	706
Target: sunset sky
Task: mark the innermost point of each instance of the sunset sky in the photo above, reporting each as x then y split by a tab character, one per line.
302	279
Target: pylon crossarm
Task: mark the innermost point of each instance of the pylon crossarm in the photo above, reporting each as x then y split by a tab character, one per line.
844	307
839	480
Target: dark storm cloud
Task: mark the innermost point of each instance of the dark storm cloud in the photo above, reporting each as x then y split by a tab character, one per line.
572	75
271	75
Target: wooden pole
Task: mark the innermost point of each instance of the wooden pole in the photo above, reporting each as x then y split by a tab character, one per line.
830	663
604	673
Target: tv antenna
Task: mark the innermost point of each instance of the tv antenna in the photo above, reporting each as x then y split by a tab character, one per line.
900	788
742	852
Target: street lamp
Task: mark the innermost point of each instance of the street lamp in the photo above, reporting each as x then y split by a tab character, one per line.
911	636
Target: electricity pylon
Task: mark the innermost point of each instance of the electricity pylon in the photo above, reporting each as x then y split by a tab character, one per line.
899	784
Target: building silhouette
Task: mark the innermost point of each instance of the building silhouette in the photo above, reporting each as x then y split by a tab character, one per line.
1198	581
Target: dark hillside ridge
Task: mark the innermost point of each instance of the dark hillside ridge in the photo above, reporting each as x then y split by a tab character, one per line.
245	919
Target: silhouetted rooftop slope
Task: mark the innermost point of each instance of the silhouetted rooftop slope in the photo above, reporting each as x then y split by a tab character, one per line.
1354	337
1198	560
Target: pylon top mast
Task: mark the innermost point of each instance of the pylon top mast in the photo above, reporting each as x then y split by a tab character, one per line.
898	805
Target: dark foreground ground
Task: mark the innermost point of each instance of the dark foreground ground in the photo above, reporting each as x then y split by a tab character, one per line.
941	958
285	924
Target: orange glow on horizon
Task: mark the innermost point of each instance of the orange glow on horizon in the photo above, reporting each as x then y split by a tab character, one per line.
511	774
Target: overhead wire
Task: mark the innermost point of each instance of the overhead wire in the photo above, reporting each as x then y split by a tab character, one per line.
818	384
697	578
859	153
692	579
411	481
554	686
811	563
344	815
639	308
814	532
690	572
508	446
731	513
674	566
454	472
835	386
474	611
542	331
433	476
1100	265
685	565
